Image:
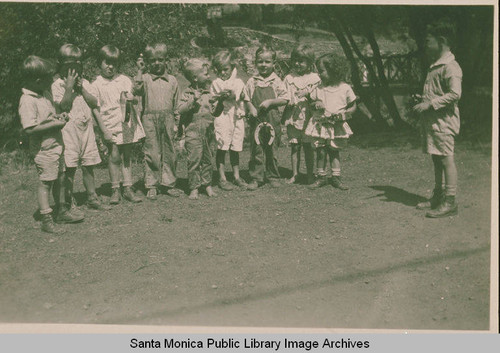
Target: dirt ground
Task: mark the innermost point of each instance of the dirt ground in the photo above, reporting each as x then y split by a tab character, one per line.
286	257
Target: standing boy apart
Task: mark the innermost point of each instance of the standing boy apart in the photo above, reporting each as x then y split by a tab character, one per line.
440	119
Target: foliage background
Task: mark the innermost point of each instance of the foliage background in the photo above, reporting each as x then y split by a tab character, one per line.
41	28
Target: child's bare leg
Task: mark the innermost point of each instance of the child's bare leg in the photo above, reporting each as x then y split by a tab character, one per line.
321	164
88	179
437	195
335	165
58	192
450	175
234	158
44	206
220	161
114	162
447	206
126	154
114	165
309	157
438	172
295	159
43	192
69	179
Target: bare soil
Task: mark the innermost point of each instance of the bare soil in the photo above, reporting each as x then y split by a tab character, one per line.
286	257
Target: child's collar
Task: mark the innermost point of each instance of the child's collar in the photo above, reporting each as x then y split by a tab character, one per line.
446	58
271	77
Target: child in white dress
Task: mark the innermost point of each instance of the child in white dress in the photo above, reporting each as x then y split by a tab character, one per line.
118	121
333	102
229	126
300	83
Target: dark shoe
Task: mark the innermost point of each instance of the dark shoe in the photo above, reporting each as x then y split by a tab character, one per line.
69	216
275	183
115	197
48	225
173	192
337	183
240	183
129	195
446	209
152	194
94	203
254	185
321	181
225	185
433	202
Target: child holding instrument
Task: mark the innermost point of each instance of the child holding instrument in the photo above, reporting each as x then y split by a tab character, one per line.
300	84
333	102
119	125
266	92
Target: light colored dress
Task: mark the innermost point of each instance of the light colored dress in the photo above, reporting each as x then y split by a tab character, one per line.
299	88
78	134
109	99
230	125
335	99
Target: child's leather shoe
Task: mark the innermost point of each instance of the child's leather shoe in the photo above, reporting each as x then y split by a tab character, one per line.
337	183
115	197
66	215
321	181
446	209
48	225
433	202
129	195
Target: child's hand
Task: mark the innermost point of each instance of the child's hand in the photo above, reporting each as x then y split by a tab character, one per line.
422	107
141	65
318	105
252	112
71	79
107	136
78	85
265	106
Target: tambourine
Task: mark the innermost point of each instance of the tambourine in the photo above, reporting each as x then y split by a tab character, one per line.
264	134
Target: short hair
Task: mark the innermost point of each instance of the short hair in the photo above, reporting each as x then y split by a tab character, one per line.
337	67
265	48
157	48
110	54
305	52
69	51
223	57
191	67
442	29
35	67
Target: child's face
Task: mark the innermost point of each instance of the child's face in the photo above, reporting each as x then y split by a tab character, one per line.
157	64
432	47
224	71
202	77
301	66
265	63
108	69
70	64
41	84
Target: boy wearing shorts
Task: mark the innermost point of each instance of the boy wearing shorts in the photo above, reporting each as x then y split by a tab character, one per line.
440	119
43	126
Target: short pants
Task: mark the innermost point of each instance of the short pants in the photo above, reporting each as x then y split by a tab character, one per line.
49	163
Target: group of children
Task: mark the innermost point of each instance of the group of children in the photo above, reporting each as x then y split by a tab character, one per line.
316	105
